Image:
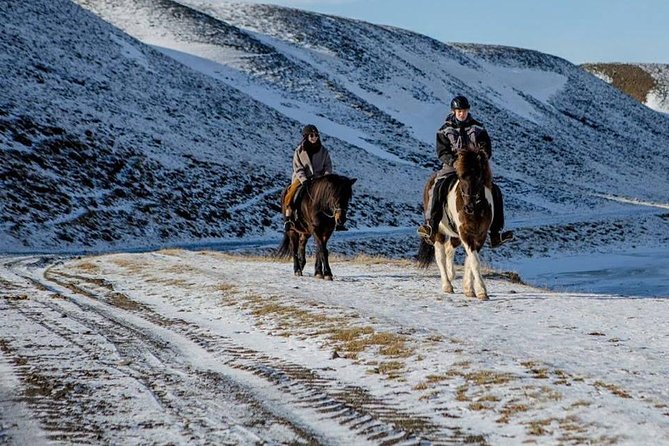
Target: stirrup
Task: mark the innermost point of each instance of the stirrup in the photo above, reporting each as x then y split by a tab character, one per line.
288	225
425	232
498	239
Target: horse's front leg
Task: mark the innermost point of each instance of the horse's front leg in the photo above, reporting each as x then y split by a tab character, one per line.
323	270
473	274
441	257
327	272
295	251
318	269
302	257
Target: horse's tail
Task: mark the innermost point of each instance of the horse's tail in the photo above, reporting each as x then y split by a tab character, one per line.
425	254
283	251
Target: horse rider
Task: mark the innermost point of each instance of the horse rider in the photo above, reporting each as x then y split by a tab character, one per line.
310	160
461	131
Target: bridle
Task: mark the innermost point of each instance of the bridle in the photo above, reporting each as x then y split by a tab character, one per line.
335	211
473	201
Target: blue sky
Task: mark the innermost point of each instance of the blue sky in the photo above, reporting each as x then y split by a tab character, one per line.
579	31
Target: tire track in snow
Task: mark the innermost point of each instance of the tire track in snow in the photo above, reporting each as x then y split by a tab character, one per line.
196	403
351	407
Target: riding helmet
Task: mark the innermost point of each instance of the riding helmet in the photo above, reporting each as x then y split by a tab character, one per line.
309	129
460	103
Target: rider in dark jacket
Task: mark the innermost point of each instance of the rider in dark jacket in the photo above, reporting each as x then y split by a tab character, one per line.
461	131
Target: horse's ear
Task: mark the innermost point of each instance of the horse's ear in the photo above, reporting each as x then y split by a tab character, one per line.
352	181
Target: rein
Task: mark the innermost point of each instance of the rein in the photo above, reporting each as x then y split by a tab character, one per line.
334	211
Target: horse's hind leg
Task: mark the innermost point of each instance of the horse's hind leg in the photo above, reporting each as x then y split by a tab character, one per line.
473	274
295	249
442	257
450	246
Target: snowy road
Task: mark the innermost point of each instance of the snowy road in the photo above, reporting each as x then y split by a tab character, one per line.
180	347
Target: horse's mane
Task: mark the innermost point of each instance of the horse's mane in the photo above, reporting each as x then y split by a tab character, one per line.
329	186
472	163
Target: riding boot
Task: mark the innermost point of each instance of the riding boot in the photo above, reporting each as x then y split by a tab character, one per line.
497	239
429	230
288	223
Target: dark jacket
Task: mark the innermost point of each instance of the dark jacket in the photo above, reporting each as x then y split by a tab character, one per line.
455	135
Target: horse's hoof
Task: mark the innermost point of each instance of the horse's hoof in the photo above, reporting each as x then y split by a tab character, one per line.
298	273
448	289
470	294
483	297
318	276
327	277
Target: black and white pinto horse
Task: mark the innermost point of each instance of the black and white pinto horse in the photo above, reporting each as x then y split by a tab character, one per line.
322	207
467	216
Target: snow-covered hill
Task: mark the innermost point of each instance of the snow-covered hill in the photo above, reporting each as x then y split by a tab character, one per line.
647	83
185	135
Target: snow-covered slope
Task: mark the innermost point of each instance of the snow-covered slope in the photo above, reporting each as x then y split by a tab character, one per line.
122	146
647	83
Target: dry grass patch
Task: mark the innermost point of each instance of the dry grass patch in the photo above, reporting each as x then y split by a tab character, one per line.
226	288
488	377
350	334
359	339
480	405
442	377
174	252
131	265
344	339
390	368
628	78
538	428
461	393
365	259
510	409
581	403
182	268
421	386
87	266
177	283
543	394
243	257
536	370
571	429
612	388
429	395
291	317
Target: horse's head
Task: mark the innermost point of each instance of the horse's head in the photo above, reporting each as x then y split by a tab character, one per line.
474	174
333	192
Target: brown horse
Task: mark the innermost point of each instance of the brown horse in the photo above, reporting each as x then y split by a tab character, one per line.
467	216
323	206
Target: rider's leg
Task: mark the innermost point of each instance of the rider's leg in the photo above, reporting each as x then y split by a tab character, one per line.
288	205
497	238
434	212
